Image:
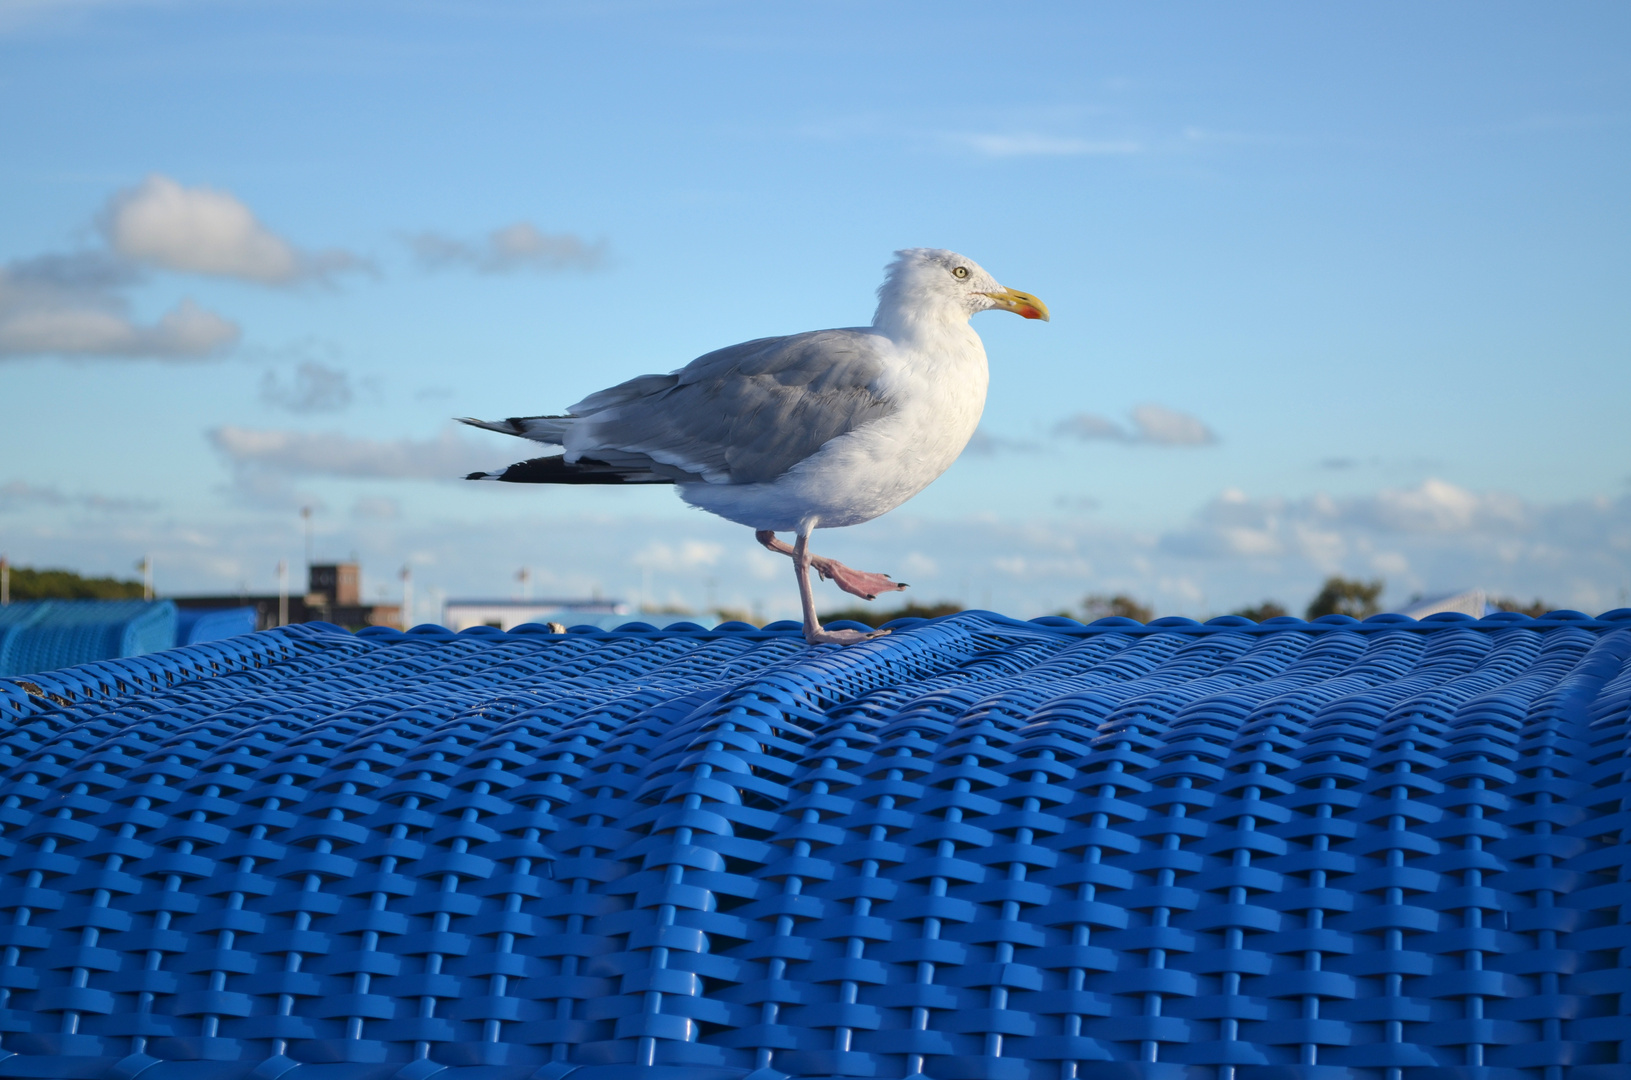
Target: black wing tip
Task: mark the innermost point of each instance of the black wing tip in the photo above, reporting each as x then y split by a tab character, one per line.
555	469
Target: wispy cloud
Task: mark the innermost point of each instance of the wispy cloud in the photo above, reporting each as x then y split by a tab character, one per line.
201	230
984	444
1091	426
20	14
1152	425
71	305
333	453
1207	136
21	495
511	249
1033	144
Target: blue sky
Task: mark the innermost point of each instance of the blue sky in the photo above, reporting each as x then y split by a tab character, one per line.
1337	290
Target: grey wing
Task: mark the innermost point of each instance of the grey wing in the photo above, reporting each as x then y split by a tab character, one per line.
743	414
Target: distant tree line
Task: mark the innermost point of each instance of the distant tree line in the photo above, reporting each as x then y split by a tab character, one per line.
1093	607
1097	606
1534	609
875	617
1361	599
1336	596
30	584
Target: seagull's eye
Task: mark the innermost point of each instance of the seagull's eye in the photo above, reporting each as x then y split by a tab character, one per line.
960	272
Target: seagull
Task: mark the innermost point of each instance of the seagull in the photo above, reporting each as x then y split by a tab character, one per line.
791	434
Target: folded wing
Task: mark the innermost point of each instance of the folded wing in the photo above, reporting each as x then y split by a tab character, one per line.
740	415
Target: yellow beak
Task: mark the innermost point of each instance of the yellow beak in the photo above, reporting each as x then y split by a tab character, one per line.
1020	303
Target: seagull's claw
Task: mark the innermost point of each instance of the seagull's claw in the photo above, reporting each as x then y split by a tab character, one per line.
842	637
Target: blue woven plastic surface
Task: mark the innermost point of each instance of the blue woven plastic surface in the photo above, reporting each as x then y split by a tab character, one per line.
194	625
41	635
975	849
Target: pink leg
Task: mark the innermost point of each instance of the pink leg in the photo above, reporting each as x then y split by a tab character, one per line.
855	582
813	633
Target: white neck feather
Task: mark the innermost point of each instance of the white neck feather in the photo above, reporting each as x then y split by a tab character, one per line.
906	312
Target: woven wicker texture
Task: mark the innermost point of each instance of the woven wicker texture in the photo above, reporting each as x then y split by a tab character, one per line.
40	635
194	625
978	848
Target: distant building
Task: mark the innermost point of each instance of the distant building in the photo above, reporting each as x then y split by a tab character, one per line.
508	614
338	583
333	595
1474	602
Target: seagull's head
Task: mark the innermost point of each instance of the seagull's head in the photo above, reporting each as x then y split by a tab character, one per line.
935	284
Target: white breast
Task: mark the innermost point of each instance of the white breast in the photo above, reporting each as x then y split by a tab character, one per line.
939	386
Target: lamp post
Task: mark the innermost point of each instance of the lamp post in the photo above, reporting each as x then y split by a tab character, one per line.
146	567
407	597
283	592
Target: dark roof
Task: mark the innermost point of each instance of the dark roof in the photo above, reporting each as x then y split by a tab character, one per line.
976	848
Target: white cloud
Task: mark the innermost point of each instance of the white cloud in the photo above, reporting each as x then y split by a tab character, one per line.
373	508
919	565
76	305
761	565
332	453
1391	563
200	230
1031	144
1235	524
314	388
1433	537
265	490
1090	426
984	444
521	246
70	306
1437	507
1168	427
684	555
1152	425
